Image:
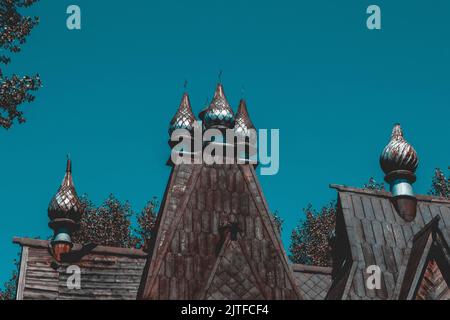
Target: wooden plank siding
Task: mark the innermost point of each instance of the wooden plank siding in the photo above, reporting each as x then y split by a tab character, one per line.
106	273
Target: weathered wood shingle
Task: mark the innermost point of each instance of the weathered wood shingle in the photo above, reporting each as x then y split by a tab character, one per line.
313	281
377	235
106	273
198	211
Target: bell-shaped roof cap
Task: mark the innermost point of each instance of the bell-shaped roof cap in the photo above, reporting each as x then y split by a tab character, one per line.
65	204
219	112
398	154
243	123
184	118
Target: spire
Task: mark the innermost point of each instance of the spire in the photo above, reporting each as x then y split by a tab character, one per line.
242	120
219	112
399	162
65	210
184	118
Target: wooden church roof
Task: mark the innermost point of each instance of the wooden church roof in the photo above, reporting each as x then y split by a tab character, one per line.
216	239
370	232
107	273
313	281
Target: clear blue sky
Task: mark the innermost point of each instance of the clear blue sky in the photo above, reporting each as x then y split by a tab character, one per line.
310	68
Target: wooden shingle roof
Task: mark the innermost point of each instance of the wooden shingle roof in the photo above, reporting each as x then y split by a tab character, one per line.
370	232
313	281
106	272
213	230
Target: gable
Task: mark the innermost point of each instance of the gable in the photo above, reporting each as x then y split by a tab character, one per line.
433	285
232	278
188	235
377	235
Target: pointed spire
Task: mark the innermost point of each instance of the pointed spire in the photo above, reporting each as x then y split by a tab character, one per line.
243	123
219	112
397	132
65	203
65	210
398	154
184	118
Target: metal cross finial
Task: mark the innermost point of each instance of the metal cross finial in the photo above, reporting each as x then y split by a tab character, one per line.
220	76
185	84
242	91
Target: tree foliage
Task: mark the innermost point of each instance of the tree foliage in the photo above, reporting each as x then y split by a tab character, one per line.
10	287
310	239
110	224
440	185
278	221
146	220
15	90
372	184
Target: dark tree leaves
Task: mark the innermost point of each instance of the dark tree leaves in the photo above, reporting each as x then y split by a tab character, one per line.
372	184
14	90
440	185
310	240
10	287
146	220
278	221
108	224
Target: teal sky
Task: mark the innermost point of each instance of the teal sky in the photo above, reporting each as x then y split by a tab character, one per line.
310	68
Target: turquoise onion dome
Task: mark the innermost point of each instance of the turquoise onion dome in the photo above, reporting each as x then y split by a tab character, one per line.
219	113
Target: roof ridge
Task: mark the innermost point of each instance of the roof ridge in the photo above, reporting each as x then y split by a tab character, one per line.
297	267
386	194
38	243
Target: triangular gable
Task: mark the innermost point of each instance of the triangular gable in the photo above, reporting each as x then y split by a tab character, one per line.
374	234
199	200
429	246
433	285
233	276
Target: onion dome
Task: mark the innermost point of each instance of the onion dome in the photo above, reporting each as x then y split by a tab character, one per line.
66	204
219	112
184	118
242	123
398	154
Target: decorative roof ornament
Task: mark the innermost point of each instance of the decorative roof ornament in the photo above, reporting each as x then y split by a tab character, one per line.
219	112
245	132
65	210
399	162
184	118
398	154
65	203
242	123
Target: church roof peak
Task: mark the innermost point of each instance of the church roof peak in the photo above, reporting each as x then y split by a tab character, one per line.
243	123
219	112
184	117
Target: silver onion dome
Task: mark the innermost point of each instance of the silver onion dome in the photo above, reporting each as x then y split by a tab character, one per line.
184	118
219	112
398	154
